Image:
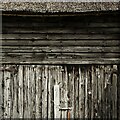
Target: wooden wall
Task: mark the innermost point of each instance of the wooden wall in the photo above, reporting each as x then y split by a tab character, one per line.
26	91
61	39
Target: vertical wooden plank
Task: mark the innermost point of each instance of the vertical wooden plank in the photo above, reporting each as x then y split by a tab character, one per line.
44	92
7	93
56	102
86	94
89	91
15	113
28	90
12	94
76	92
52	71
59	82
49	93
109	92
106	90
1	95
16	83
60	85
62	94
37	93
66	90
40	90
64	98
105	93
101	80
114	91
93	92
17	89
25	92
72	92
33	90
96	92
35	77
20	91
30	77
118	91
80	94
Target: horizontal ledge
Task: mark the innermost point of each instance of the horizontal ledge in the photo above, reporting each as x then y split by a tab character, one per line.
65	62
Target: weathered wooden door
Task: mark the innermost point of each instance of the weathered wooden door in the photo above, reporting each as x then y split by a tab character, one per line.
28	91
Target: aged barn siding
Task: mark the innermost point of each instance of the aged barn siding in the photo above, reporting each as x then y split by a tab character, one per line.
118	91
65	39
89	91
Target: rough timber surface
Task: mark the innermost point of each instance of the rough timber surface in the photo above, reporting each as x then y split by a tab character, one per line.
85	39
39	91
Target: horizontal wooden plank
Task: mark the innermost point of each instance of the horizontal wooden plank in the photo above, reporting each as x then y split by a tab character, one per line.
59	36
62	55
61	43
69	18
27	49
14	60
55	30
68	24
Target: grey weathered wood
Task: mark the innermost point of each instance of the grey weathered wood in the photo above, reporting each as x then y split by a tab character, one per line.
114	90
86	93
37	93
64	98
76	102
81	30
25	93
59	43
91	34
49	93
100	88
44	92
56	102
56	37
93	79
38	60
7	96
48	49
27	85
72	92
1	95
118	90
20	91
28	93
55	34
38	24
80	93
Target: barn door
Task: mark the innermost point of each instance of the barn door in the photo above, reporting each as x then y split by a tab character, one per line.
63	91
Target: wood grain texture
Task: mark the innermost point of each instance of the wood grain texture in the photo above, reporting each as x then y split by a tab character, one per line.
89	90
1	95
36	39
